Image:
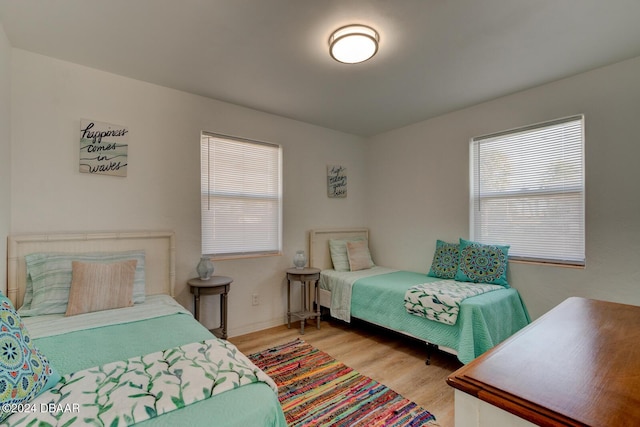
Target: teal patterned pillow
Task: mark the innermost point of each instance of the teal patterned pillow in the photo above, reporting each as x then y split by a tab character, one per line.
24	371
445	260
481	263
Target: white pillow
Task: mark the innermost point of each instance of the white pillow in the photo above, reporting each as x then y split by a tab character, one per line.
49	279
338	250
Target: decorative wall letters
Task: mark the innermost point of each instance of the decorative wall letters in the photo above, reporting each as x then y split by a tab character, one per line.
336	181
103	148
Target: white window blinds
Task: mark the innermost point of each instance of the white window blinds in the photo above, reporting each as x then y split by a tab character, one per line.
527	191
241	196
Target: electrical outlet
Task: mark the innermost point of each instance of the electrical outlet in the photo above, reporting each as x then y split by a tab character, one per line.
255	299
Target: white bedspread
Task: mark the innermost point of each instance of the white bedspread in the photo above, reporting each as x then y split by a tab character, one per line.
440	301
130	391
56	324
340	283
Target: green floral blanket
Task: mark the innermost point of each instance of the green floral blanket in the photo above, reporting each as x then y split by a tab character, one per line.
440	301
127	392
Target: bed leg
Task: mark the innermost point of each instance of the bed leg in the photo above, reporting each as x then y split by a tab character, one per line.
430	349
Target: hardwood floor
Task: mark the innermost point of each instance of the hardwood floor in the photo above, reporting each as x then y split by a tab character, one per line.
392	359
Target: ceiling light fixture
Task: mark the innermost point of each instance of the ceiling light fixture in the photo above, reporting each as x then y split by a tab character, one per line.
353	44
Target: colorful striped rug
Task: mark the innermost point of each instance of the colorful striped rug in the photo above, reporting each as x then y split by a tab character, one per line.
315	389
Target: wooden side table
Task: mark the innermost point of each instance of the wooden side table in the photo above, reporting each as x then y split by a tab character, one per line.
304	276
216	285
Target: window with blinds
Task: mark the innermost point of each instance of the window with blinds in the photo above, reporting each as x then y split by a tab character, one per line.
527	191
241	196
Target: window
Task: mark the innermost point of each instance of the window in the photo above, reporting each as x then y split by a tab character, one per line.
241	196
527	191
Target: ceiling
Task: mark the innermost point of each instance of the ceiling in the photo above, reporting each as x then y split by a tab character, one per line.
435	56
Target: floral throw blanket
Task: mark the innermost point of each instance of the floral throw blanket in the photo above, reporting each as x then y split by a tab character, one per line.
126	392
440	301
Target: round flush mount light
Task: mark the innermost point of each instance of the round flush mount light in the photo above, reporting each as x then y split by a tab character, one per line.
353	44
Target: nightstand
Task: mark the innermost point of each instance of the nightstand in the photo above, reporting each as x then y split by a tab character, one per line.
304	276
216	285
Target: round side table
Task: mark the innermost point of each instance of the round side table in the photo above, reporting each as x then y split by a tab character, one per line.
304	276
216	285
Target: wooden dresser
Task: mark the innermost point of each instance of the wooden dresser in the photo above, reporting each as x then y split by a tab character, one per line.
577	365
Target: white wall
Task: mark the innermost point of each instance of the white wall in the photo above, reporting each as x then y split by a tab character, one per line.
5	151
418	184
161	191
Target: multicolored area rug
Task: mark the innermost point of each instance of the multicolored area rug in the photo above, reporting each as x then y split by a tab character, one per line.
314	389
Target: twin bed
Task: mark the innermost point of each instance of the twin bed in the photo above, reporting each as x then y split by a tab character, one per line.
150	363
377	295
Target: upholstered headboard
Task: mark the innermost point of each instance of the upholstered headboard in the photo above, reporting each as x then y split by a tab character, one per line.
319	255
159	247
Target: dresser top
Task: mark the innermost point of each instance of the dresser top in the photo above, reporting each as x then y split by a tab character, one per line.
579	364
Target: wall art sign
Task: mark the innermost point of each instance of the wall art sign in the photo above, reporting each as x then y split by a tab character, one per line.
336	181
103	148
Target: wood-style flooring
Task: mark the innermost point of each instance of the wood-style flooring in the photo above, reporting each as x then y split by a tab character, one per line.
392	359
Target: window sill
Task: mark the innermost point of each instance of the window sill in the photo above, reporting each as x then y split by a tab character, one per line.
548	264
243	256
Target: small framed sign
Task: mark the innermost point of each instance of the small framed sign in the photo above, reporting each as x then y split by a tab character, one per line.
103	148
336	181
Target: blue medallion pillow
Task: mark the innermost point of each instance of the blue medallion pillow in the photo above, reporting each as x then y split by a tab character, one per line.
24	371
480	263
445	260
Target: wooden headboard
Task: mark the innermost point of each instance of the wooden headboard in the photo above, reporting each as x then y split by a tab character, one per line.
319	255
159	247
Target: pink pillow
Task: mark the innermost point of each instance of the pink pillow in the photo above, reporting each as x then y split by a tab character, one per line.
100	286
359	255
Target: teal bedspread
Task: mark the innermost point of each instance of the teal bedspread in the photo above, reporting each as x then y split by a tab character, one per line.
94	347
483	322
